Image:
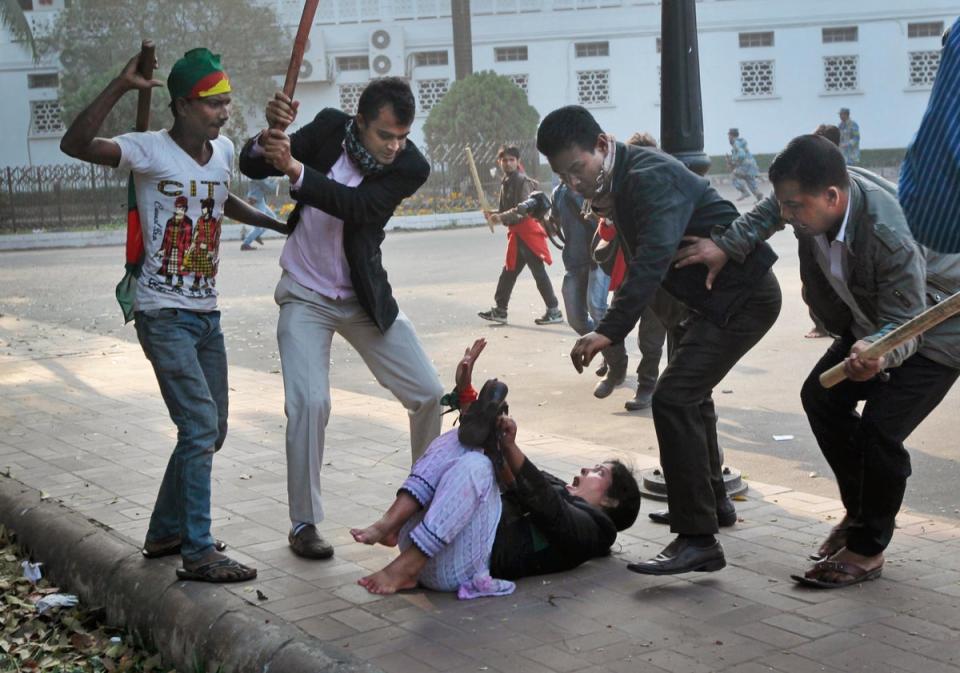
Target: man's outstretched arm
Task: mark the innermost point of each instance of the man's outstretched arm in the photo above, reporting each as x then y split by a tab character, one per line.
238	209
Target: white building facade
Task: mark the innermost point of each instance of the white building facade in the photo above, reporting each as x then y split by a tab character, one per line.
772	68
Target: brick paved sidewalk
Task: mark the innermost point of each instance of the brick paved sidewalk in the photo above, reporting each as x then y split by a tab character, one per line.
81	420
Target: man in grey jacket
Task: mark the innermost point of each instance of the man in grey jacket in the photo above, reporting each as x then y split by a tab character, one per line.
865	275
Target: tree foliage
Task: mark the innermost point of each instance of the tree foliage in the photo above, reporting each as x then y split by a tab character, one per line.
483	107
96	38
15	21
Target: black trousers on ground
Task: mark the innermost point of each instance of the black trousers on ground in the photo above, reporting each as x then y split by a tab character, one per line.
508	279
700	355
866	452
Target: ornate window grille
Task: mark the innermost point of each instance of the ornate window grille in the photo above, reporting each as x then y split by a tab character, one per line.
756	79
350	96
430	91
593	87
46	118
841	73
923	68
521	81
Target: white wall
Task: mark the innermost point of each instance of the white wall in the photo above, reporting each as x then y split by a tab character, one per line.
20	147
887	111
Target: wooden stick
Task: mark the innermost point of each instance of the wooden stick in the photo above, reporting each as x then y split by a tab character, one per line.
148	58
299	46
481	195
912	328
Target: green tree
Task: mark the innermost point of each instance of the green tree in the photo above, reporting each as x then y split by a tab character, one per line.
484	107
15	21
95	38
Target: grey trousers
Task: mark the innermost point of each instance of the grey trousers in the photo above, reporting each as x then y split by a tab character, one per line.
308	321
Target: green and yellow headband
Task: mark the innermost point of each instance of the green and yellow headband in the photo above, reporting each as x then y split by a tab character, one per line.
198	75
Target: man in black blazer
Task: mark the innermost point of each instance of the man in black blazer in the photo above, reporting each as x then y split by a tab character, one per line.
347	174
655	203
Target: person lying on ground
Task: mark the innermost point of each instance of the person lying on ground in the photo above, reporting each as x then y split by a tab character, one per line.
456	529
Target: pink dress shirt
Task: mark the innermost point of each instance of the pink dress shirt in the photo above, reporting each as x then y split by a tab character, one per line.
313	255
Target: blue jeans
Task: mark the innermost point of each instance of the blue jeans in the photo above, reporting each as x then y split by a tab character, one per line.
188	356
257	232
584	293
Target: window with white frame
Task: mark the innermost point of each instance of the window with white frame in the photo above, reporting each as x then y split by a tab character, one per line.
423	58
923	68
589	49
46	118
925	29
841	73
761	39
756	79
428	8
350	96
430	91
593	87
520	81
358	62
402	9
840	34
370	10
503	54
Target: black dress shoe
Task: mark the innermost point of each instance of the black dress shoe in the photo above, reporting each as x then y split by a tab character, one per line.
726	514
478	424
308	544
681	556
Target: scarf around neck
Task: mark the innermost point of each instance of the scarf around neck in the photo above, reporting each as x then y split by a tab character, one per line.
602	202
359	154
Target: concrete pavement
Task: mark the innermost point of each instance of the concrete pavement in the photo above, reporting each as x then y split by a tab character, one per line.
81	421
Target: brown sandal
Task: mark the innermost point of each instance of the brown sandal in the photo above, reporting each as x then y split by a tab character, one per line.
856	574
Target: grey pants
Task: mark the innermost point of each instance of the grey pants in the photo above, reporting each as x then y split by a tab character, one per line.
308	321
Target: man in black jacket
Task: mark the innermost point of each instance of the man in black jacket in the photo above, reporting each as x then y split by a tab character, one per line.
655	202
347	175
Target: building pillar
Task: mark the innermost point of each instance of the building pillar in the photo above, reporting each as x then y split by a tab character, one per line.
681	109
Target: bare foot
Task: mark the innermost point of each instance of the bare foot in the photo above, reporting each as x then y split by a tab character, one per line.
815	333
387	581
374	533
401	573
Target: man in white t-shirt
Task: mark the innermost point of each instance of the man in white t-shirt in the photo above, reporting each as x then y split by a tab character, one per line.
182	178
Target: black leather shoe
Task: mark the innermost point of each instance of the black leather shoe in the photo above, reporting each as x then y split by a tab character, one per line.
613	378
309	544
726	514
682	557
479	422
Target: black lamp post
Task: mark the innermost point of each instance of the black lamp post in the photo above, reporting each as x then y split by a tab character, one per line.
681	134
681	110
